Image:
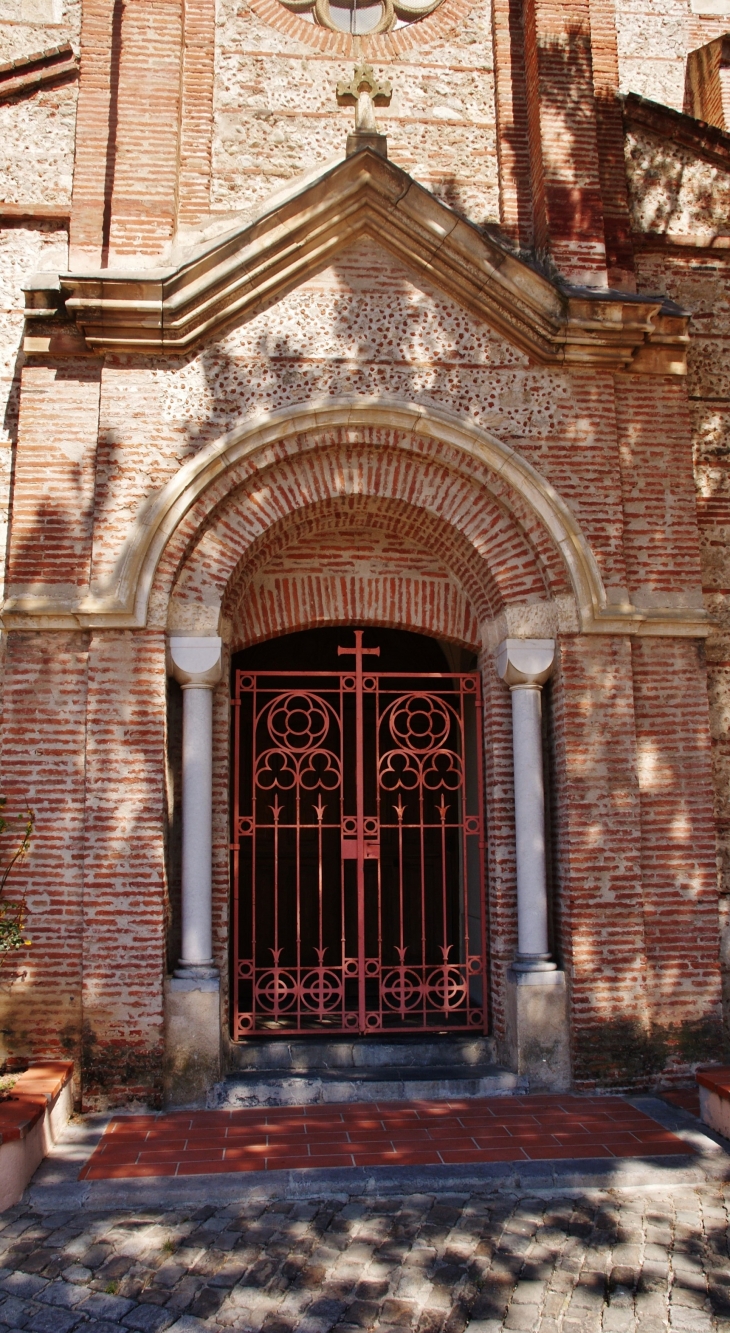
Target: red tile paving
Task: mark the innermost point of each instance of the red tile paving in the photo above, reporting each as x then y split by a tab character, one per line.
489	1129
687	1098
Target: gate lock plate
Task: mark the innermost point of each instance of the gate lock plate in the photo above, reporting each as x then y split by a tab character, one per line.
371	850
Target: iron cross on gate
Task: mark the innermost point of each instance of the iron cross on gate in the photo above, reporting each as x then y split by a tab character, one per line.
361	847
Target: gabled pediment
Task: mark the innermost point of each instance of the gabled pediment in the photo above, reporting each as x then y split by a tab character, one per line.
239	274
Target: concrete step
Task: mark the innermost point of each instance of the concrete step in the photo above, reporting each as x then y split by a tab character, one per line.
363	1069
462	1052
304	1089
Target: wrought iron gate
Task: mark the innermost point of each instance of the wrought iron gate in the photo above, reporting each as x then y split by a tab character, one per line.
358	851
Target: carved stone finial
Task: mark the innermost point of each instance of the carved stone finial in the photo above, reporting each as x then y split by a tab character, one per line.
364	92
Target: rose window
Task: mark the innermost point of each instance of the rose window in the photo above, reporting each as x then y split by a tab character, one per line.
361	17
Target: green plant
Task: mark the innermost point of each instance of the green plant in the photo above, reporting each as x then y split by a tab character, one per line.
111	1288
12	912
169	1246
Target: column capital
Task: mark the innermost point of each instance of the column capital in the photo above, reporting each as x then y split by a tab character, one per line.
525	662
195	662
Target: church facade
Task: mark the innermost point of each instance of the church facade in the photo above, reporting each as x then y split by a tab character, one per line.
366	594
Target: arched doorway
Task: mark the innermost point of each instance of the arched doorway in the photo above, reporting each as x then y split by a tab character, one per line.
358	839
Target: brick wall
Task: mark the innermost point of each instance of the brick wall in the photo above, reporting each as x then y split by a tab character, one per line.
188	118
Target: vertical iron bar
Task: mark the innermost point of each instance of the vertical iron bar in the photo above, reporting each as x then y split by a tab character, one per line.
236	705
254	840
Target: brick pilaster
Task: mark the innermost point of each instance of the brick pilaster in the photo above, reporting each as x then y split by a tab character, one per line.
610	141
145	170
124	875
678	856
513	152
566	184
95	131
196	131
53	498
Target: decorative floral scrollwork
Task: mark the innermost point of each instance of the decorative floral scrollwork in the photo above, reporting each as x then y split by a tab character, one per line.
364	18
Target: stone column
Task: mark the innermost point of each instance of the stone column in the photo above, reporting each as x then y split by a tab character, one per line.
537	1029
192	994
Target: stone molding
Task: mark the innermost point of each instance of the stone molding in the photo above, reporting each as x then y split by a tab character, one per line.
235	277
123	602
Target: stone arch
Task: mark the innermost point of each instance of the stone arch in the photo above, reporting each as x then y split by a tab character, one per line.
429	460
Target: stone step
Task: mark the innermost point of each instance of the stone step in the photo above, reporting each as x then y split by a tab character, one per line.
299	1072
324	1055
258	1089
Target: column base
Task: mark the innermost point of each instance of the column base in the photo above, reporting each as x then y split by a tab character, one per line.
536	1038
192	1037
196	972
533	962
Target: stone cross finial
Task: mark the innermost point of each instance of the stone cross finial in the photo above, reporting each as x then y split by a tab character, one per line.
364	92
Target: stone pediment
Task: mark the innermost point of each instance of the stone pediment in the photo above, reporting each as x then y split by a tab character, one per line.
242	272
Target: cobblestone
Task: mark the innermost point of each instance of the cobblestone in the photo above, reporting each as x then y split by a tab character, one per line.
486	1262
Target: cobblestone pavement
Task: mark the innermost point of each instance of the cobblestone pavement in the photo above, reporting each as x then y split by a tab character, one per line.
633	1259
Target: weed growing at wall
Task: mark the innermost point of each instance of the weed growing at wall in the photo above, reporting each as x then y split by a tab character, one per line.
15	840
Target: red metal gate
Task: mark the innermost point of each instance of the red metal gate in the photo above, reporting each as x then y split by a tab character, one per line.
358	851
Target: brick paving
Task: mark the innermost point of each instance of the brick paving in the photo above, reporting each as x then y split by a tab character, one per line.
498	1129
619	1261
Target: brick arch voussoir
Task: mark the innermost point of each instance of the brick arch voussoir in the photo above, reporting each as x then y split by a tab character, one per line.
431	487
428	475
407	598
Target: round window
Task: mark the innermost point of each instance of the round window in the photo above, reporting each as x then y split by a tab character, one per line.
361	17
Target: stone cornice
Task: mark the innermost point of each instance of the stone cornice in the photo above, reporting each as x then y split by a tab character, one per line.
240	274
25	76
705	141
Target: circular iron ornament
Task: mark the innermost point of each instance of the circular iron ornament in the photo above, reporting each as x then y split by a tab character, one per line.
420	722
401	989
275	991
298	721
446	988
364	18
321	990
